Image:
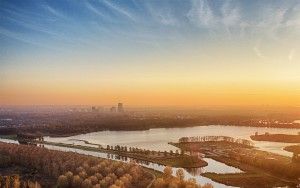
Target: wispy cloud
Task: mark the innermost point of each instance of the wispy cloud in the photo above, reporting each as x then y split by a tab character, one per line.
94	9
291	54
294	17
257	50
119	9
201	14
34	27
21	38
231	15
270	21
162	14
55	12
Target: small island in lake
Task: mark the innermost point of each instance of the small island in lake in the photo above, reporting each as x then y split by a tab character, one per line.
286	138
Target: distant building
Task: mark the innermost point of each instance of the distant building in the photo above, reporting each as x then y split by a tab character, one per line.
120	107
94	109
113	109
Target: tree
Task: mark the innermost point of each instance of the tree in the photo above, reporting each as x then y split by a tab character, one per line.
16	183
103	183
94	180
76	182
97	186
69	176
62	181
83	174
79	169
99	176
180	174
86	183
159	183
173	185
119	183
167	176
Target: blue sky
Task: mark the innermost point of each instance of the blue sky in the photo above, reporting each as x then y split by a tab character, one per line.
68	25
193	40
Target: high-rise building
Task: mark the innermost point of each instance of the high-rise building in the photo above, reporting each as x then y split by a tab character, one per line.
120	107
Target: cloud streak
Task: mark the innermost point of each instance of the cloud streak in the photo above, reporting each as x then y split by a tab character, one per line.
119	10
291	54
21	38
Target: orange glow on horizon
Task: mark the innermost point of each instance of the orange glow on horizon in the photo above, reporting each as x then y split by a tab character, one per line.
153	95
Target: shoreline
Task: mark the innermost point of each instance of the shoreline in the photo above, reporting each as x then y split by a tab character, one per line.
56	135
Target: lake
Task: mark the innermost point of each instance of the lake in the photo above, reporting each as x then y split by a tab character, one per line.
157	139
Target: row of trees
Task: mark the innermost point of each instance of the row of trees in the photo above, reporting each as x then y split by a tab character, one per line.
143	151
77	170
215	139
169	181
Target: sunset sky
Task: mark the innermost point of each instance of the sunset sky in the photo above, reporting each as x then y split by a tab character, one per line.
149	52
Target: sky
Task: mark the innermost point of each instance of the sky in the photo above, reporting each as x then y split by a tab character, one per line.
150	52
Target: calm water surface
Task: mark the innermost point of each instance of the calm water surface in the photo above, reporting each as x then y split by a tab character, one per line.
157	139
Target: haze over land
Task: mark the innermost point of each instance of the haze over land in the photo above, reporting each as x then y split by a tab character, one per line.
150	52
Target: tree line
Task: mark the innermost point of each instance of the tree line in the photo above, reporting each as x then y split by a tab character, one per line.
143	151
215	139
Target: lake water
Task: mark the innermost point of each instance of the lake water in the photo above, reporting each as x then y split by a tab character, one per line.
157	139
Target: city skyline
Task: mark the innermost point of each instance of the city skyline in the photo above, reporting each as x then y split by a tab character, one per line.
150	52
